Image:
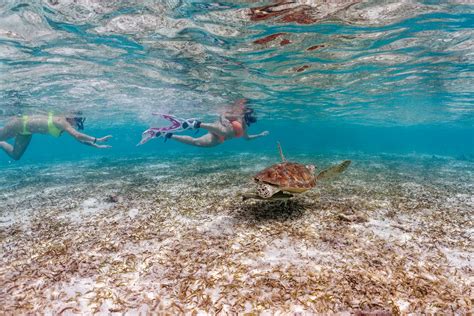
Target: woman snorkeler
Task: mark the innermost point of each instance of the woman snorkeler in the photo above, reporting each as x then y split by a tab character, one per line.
23	128
231	124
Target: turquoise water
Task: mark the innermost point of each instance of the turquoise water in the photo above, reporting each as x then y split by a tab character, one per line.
388	85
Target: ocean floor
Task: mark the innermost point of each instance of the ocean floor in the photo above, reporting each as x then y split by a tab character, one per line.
391	234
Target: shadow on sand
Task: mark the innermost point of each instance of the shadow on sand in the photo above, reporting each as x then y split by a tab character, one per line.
269	211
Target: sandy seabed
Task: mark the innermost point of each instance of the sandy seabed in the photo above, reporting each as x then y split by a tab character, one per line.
392	235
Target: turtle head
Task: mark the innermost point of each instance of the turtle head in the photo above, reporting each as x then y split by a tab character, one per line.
265	190
311	168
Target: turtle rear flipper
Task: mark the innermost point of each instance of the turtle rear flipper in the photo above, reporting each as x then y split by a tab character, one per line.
333	171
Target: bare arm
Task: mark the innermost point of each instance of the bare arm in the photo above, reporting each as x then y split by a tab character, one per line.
250	137
86	139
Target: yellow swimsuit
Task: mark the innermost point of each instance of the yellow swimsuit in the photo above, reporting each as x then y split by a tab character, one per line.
52	129
25	131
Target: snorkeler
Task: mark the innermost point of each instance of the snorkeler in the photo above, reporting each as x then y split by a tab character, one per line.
232	124
23	128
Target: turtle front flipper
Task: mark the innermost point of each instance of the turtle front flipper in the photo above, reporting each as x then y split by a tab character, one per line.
280	195
333	171
247	196
265	190
277	196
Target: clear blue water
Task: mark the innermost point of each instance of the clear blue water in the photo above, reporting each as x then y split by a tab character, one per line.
386	84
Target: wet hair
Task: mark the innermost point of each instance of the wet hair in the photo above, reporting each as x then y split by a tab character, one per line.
78	120
249	116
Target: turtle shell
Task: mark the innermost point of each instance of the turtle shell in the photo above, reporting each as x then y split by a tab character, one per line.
288	176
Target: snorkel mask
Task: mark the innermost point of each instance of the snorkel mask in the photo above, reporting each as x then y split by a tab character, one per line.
77	120
249	116
80	122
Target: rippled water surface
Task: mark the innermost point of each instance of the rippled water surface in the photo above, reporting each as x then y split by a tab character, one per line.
370	62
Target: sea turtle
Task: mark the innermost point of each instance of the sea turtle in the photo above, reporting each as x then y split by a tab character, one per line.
282	180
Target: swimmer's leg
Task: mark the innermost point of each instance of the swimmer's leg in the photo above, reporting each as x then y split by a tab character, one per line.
220	129
207	140
8	131
7	148
16	151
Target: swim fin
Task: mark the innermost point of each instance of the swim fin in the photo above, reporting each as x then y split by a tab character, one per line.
177	125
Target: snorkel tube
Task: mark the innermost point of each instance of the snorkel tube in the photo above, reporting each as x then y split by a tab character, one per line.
249	116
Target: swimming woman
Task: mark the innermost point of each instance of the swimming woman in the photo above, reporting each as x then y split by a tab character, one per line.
232	124
23	128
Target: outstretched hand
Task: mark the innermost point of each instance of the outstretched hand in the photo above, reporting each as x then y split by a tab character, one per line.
101	146
104	139
264	133
98	140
